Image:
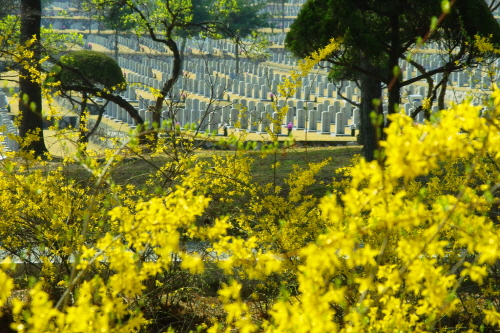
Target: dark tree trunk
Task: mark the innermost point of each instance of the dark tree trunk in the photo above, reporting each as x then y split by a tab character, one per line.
442	92
168	84
30	103
371	89
394	74
394	97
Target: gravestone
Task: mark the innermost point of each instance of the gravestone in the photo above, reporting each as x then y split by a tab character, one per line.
420	117
356	117
3	100
301	119
204	119
313	123
264	123
330	88
233	117
300	104
244	119
325	122
213	122
339	124
142	113
226	114
332	110
264	92
321	89
195	118
179	116
254	121
242	88
289	115
461	79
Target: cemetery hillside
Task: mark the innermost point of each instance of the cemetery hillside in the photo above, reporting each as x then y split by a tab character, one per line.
249	166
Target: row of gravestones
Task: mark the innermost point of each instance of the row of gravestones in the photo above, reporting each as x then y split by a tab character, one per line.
203	117
247	88
7	123
480	77
244	84
197	74
238	87
205	45
476	99
255	117
251	86
68	23
406	106
289	9
145	66
98	39
131	43
60	4
106	137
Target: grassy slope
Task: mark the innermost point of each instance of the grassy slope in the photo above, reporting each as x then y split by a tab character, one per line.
136	171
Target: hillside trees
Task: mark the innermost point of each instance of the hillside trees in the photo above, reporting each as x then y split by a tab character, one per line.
243	21
377	35
200	13
277	13
114	19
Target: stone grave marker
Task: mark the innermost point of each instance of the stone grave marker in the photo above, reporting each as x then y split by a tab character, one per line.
313	123
339	124
325	122
301	119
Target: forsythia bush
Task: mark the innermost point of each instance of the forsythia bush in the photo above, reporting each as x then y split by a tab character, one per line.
408	243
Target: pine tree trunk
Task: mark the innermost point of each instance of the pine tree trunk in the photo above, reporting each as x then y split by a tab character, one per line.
370	89
442	92
30	103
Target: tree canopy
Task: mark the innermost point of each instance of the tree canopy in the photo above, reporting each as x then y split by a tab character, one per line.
86	68
376	35
245	18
